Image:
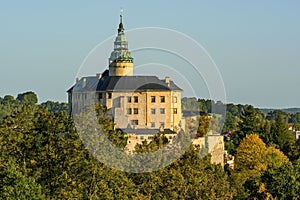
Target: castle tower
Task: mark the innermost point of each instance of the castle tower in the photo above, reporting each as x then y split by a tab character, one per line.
120	61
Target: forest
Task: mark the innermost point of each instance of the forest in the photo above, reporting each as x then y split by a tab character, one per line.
43	157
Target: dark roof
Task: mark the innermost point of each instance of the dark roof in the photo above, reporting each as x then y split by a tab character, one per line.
122	83
89	85
131	83
146	131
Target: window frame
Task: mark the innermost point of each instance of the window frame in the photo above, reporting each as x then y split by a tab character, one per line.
152	124
135	122
175	111
153	99
175	99
153	111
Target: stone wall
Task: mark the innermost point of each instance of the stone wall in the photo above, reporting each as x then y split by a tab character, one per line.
215	147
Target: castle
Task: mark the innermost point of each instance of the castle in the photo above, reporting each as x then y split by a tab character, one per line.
141	106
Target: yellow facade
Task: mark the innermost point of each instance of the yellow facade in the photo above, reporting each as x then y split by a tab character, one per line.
121	68
144	109
143	105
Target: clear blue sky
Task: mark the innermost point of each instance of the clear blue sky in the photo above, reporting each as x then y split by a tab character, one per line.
255	43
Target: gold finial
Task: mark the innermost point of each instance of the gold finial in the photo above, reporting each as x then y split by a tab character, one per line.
121	15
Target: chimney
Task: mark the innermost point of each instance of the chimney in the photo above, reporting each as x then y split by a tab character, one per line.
83	82
168	80
77	80
99	75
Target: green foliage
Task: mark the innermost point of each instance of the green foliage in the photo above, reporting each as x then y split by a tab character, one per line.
15	185
283	182
281	135
295	118
229	146
158	142
253	154
43	157
204	123
8	98
253	158
271	116
190	177
28	98
231	122
297	126
54	106
248	124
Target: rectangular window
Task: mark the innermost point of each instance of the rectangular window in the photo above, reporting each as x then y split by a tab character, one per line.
162	124
162	99
136	111
152	124
100	96
136	99
153	99
162	111
142	137
153	111
109	95
129	111
174	99
134	122
129	99
174	110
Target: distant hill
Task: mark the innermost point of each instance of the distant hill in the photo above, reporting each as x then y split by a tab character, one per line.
287	110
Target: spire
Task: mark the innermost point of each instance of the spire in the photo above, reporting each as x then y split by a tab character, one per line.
121	61
121	51
121	27
121	15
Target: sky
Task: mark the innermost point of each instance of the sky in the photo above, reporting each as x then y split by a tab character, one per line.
255	44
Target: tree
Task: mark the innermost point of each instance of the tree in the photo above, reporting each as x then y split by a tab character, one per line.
54	106
204	123
251	154
28	98
158	142
230	122
297	126
248	124
295	118
190	177
265	132
271	116
14	185
281	135
253	158
283	182
8	98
